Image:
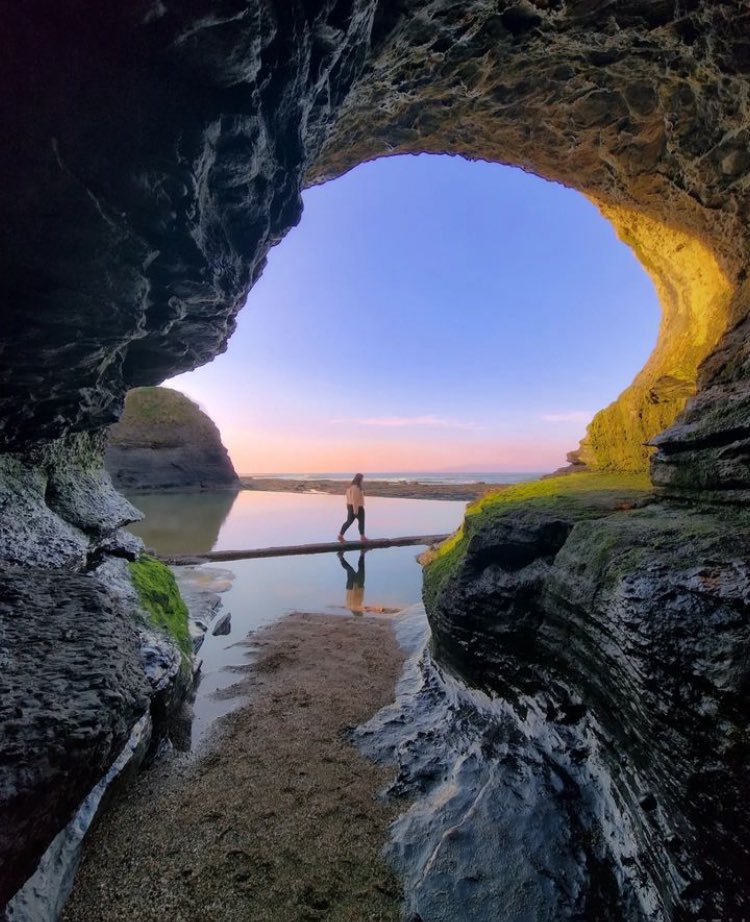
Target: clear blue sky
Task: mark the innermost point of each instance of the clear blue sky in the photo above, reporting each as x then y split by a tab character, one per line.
429	312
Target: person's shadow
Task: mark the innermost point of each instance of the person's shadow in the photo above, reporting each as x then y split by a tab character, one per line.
355	583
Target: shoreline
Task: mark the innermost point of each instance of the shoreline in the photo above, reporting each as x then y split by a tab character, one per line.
277	818
465	492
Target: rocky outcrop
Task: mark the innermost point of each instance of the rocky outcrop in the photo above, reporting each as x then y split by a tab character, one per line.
708	449
612	642
58	507
71	688
82	660
164	441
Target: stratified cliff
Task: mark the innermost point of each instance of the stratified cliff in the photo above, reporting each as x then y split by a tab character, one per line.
152	155
165	441
612	629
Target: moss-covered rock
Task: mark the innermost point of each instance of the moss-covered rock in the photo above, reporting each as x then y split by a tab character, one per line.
165	441
160	598
613	629
566	498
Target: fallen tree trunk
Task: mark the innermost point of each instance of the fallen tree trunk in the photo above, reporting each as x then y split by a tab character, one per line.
297	549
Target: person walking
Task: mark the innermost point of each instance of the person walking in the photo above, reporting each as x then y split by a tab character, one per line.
355	507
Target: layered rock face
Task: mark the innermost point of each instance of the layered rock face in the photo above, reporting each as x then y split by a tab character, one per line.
165	441
152	156
71	688
614	639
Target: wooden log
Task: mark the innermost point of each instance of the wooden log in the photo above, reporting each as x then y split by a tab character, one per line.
296	549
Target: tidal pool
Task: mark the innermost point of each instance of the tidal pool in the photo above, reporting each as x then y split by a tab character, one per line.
263	590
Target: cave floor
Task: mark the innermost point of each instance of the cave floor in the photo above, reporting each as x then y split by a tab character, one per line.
277	820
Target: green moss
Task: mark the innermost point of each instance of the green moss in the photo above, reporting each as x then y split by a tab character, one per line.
161	599
589	495
581	487
695	297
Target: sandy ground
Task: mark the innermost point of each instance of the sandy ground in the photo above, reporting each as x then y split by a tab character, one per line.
278	821
458	491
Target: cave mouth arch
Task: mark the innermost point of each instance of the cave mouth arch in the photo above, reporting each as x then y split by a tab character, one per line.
493	314
216	124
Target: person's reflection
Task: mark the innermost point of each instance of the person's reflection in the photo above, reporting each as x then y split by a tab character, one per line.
355	583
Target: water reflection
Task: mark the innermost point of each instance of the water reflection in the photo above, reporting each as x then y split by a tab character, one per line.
194	523
181	523
355	583
263	590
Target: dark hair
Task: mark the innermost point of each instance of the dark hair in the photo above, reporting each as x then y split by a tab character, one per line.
357	480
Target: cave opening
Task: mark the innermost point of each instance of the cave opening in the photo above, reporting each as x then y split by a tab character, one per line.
428	313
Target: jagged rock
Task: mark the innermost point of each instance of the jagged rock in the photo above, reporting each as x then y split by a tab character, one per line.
71	688
709	447
617	650
58	505
222	625
165	441
153	154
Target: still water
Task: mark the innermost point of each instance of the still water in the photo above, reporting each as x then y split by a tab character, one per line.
193	523
261	591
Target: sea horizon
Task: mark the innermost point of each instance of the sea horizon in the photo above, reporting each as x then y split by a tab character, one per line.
427	477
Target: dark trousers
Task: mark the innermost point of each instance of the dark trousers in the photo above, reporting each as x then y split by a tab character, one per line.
351	516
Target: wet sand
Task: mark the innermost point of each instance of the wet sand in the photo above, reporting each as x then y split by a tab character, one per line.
414	490
279	820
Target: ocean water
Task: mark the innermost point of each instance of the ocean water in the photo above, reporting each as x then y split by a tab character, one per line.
414	476
259	592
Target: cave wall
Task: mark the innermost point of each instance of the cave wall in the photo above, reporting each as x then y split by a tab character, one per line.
153	154
612	632
695	298
641	106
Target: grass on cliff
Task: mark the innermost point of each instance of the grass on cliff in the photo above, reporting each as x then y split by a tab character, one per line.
598	491
162	417
160	597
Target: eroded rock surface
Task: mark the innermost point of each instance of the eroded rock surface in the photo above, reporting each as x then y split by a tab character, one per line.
71	688
81	664
58	505
153	154
165	441
614	642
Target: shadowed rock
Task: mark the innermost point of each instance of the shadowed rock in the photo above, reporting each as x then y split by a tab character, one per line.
71	687
168	148
613	642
